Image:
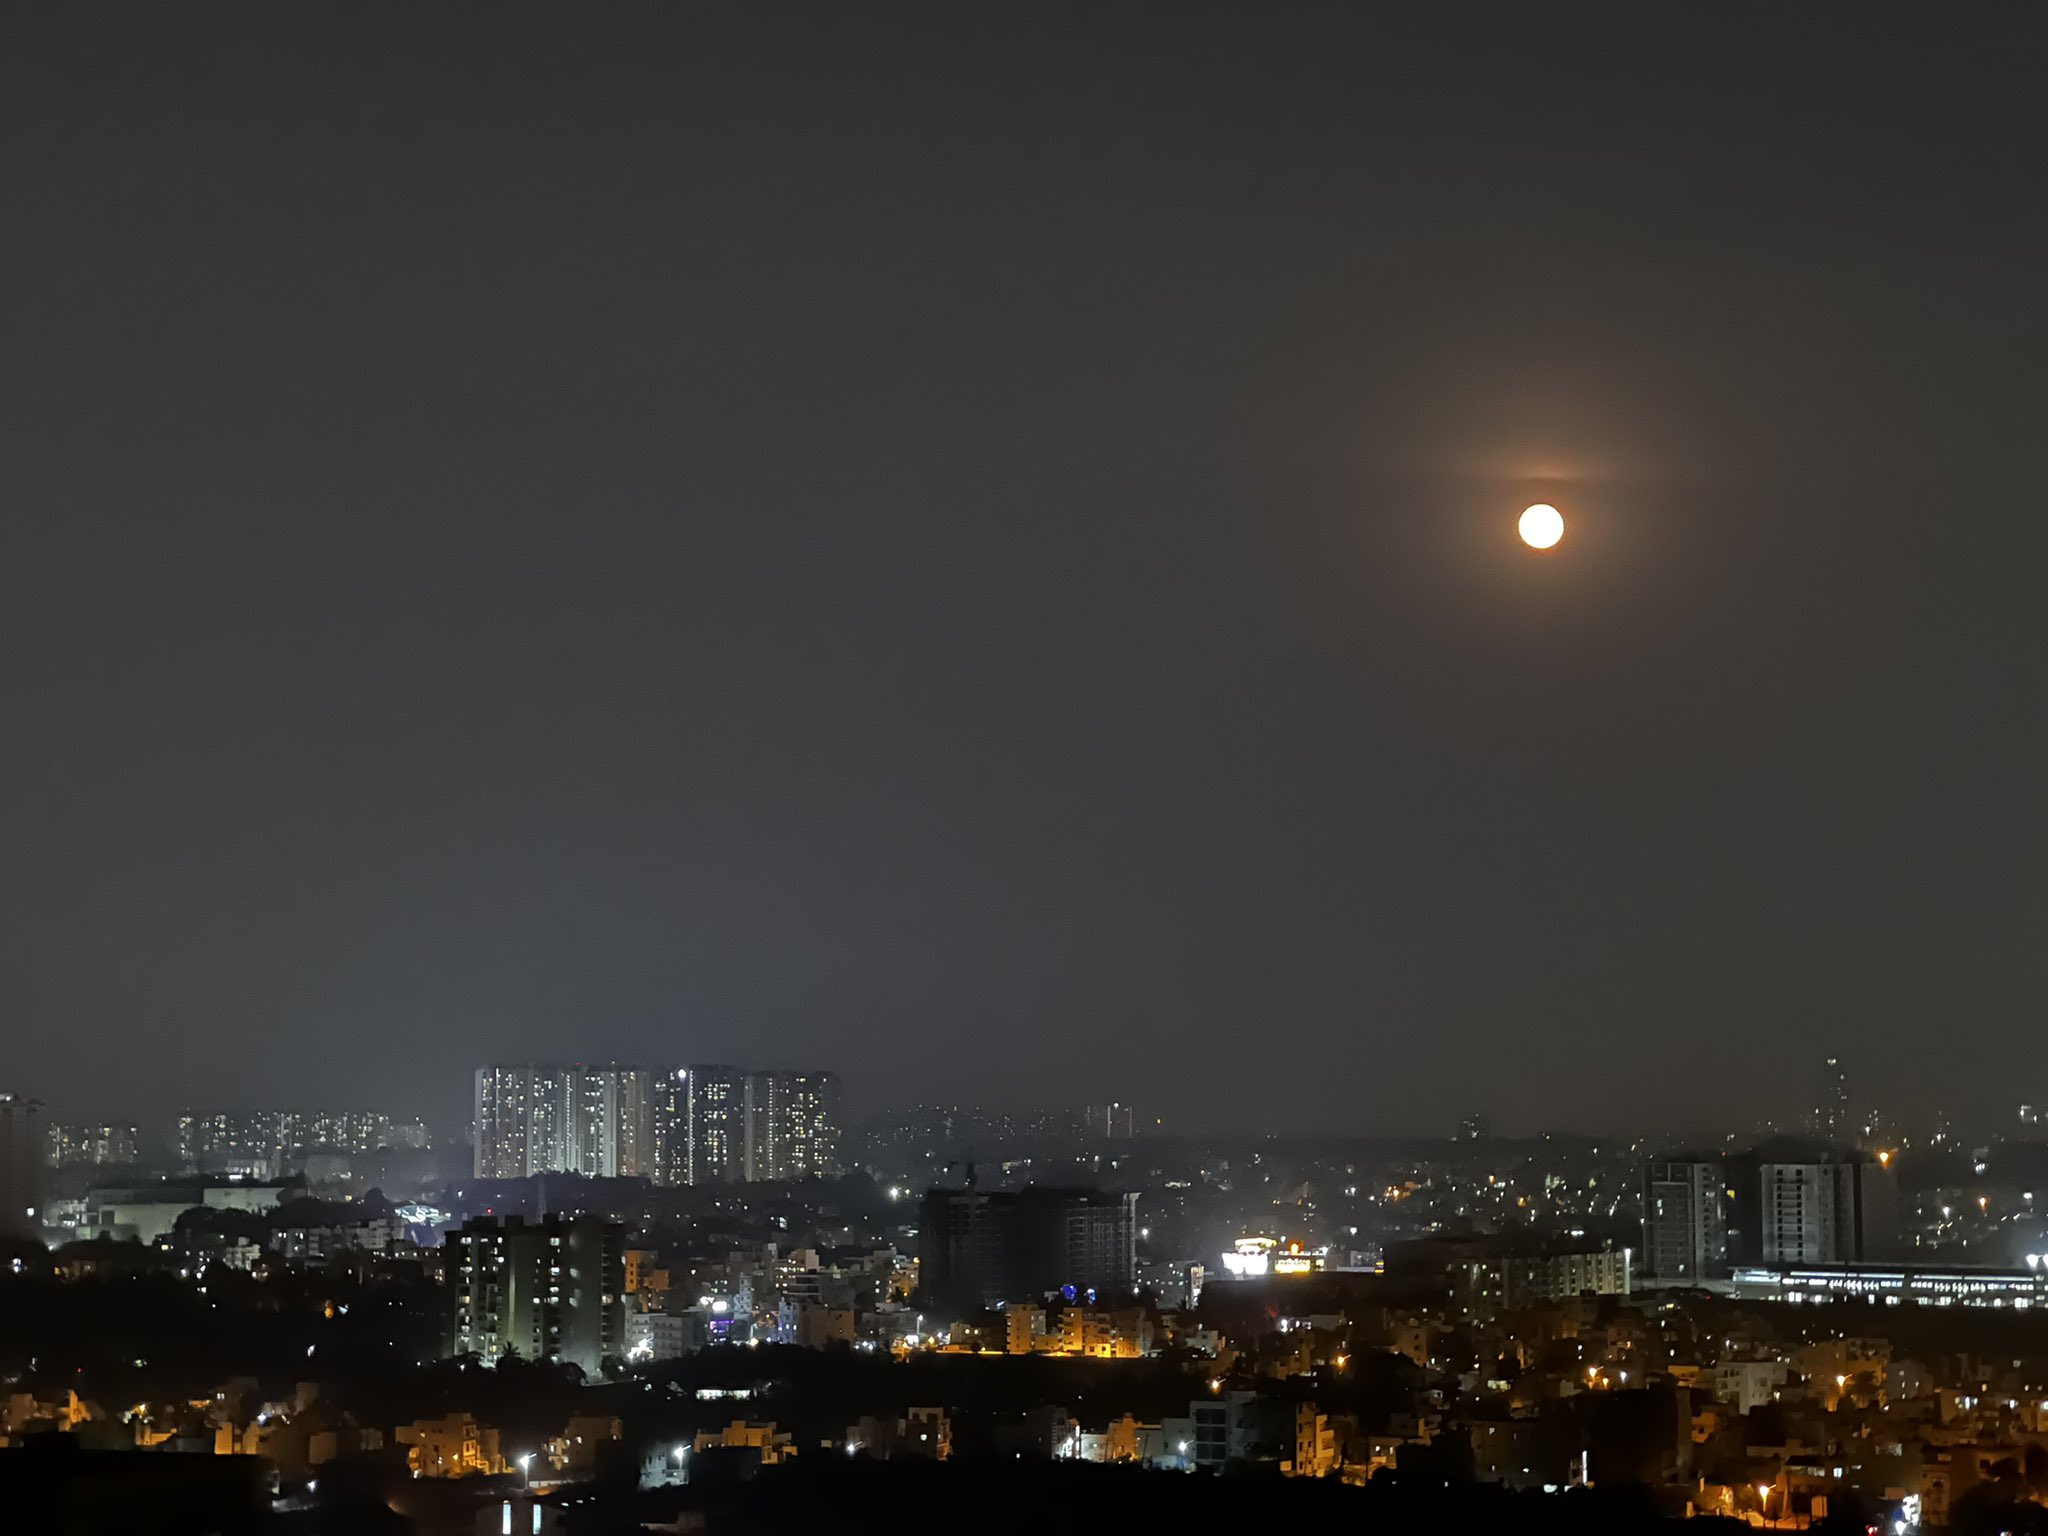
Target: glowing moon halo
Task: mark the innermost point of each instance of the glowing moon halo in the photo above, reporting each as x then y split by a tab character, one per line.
1541	526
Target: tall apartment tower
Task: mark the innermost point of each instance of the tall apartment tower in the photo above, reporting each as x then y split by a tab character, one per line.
698	1125
552	1289
1685	1218
718	1125
590	1120
792	1125
21	1166
509	1142
1805	1203
672	1127
613	1132
979	1248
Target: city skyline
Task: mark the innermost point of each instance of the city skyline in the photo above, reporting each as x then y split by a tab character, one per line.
1830	1107
1037	766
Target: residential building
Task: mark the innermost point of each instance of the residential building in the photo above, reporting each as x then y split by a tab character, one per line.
523	1121
980	1248
792	1125
579	1450
1113	1121
613	1129
696	1125
312	1241
1225	1429
1685	1218
1747	1384
597	1121
717	1125
1799	1202
93	1146
268	1144
672	1127
657	1335
552	1289
1524	1274
927	1432
811	1325
1315	1443
760	1443
1024	1329
453	1446
1126	1334
21	1166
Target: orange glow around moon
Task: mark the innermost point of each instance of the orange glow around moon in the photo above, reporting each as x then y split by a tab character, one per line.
1541	526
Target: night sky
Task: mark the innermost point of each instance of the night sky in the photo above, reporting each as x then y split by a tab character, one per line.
974	546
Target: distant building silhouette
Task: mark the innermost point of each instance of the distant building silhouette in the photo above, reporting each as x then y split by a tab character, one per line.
93	1146
1802	1202
1112	1121
979	1248
21	1166
1685	1218
1785	1201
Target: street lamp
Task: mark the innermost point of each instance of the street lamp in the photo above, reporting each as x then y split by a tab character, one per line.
526	1469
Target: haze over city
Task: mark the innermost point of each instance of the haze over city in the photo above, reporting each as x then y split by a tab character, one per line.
1189	767
977	550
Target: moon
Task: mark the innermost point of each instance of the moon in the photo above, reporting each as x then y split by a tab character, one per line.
1542	526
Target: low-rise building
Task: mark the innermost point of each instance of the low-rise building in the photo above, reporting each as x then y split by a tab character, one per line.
1315	1444
455	1445
770	1444
1521	1275
145	1213
658	1335
820	1327
575	1452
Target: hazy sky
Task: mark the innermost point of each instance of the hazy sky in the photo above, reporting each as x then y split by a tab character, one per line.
974	546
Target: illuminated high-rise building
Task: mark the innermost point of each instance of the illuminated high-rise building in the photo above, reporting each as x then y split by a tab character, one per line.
92	1146
792	1125
672	1127
21	1166
695	1125
612	1135
637	1152
591	1120
523	1116
274	1142
718	1125
553	1289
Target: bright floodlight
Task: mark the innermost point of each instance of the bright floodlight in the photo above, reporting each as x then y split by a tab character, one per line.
1542	526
